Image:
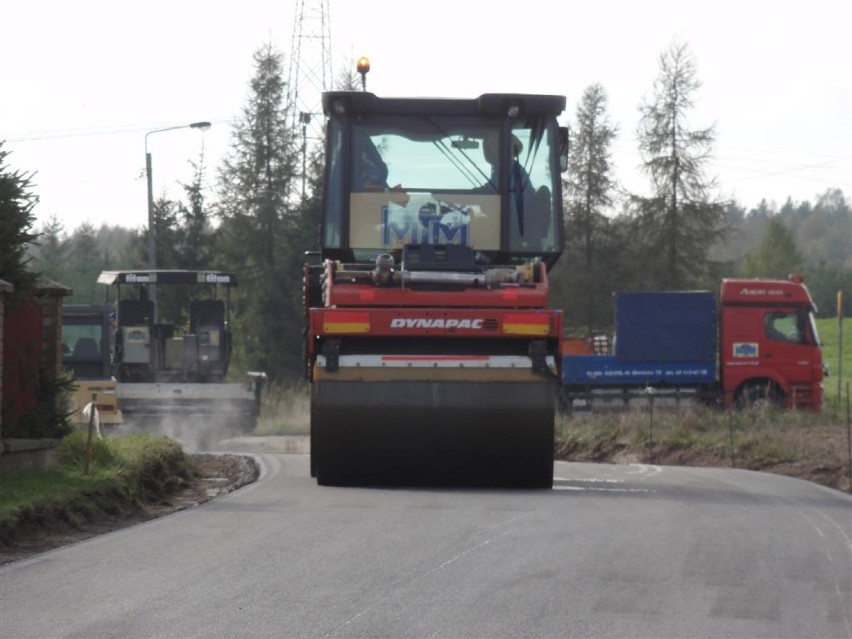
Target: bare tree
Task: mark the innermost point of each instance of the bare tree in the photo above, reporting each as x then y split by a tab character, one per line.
348	78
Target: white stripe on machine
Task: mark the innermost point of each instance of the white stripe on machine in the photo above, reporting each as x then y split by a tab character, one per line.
434	361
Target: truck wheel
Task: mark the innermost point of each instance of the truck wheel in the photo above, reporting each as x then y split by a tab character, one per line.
759	395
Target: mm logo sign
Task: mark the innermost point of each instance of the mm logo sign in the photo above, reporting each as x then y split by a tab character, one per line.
431	225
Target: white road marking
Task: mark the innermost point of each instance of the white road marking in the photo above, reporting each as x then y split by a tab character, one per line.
596	489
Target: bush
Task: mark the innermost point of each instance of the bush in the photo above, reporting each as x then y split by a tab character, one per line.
71	453
46	419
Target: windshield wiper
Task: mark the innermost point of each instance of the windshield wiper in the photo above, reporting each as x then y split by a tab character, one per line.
448	153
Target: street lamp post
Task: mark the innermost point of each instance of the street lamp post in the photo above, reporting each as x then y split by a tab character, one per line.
152	227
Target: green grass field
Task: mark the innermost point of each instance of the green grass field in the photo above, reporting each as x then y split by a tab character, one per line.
839	371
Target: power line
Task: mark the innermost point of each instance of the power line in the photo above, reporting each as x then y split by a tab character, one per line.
97	131
770	167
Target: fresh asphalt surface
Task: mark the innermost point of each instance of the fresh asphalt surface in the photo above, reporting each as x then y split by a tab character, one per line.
612	551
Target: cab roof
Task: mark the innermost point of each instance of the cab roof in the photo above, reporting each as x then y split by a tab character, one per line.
167	276
759	291
487	104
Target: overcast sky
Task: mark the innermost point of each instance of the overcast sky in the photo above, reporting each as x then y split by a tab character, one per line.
83	82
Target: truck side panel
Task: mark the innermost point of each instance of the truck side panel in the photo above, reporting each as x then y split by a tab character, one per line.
608	370
665	327
662	338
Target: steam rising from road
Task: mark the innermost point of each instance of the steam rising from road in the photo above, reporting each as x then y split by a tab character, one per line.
203	426
198	431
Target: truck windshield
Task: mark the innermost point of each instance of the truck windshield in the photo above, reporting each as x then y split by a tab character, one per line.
813	327
441	180
795	327
422	156
81	340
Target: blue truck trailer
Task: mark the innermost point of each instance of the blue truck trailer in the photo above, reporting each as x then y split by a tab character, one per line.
665	346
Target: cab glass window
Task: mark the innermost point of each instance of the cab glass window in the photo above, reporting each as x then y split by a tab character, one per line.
80	342
334	188
450	180
424	180
531	220
427	154
791	327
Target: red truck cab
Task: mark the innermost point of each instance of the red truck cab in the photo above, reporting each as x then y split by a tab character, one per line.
769	344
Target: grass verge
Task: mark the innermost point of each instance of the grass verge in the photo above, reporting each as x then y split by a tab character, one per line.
285	410
809	446
124	473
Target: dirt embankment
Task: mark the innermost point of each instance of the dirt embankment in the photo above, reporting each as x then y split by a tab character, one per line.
48	527
819	454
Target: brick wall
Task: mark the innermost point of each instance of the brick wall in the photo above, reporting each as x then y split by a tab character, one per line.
32	336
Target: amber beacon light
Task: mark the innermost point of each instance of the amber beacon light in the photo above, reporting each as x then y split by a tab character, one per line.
363	69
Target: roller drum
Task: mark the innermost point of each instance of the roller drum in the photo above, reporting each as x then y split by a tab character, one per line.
432	433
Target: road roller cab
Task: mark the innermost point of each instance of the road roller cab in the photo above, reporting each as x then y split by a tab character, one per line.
429	343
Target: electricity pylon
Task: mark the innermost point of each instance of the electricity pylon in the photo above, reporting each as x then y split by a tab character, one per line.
310	71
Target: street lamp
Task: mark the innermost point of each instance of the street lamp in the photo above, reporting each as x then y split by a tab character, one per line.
152	229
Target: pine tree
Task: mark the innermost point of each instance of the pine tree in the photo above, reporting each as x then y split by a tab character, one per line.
777	255
52	250
680	221
16	223
828	230
193	233
166	214
85	263
586	267
258	235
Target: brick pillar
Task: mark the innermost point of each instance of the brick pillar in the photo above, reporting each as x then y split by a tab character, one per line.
5	289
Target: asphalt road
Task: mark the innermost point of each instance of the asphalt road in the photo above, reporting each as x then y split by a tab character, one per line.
612	551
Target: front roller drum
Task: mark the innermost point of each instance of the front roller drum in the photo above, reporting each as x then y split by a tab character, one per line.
496	434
